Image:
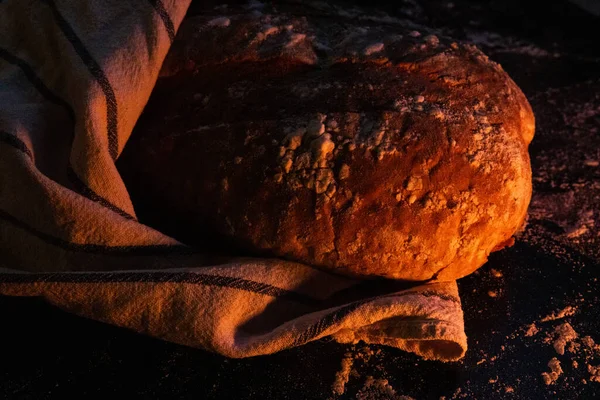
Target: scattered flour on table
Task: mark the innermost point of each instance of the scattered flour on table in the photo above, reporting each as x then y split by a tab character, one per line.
343	375
372	388
571	348
379	389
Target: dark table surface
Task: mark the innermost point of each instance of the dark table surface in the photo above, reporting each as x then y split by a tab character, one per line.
552	51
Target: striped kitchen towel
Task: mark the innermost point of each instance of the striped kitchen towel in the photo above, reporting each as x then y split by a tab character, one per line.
74	78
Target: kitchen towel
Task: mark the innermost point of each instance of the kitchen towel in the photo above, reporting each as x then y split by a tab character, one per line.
74	78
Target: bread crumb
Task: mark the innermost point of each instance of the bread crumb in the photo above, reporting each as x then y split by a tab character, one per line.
565	312
564	334
555	371
419	99
588	342
579	351
495	273
532	330
594	373
492	293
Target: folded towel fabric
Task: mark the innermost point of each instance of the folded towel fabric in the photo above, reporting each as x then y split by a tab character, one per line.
74	78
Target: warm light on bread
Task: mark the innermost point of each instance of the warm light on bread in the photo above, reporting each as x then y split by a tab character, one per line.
366	147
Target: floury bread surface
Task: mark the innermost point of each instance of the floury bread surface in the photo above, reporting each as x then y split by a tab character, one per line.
361	144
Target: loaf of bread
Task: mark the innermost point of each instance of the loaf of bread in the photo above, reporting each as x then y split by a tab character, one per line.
360	144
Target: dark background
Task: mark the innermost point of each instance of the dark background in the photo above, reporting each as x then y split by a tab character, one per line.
552	51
